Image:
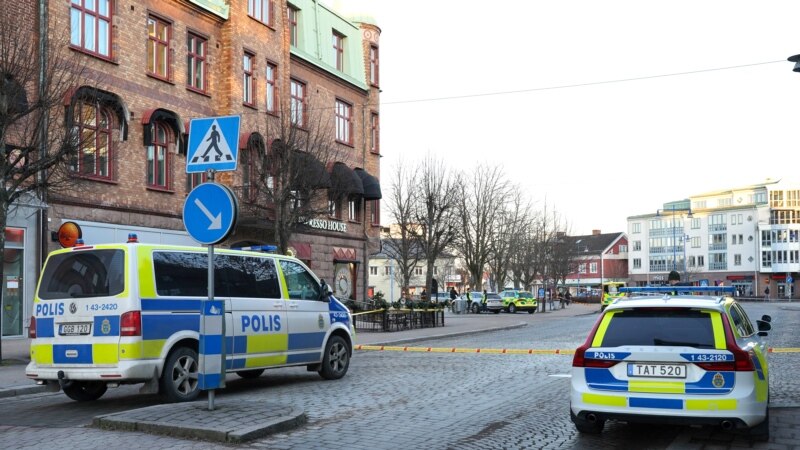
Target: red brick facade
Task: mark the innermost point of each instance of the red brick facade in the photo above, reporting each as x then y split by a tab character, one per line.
126	200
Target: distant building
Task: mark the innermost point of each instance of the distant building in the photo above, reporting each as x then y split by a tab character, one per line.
598	258
748	237
383	274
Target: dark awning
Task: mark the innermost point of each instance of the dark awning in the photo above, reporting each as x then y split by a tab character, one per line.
162	115
310	172
103	98
372	187
344	181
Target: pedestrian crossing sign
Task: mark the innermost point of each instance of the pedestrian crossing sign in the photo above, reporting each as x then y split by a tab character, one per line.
213	144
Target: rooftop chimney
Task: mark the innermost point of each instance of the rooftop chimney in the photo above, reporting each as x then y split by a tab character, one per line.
595	232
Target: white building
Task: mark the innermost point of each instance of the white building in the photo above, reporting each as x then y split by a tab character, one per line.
383	275
748	237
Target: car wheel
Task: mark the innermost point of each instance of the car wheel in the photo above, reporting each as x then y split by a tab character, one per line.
587	427
512	308
85	391
336	359
179	380
760	432
254	373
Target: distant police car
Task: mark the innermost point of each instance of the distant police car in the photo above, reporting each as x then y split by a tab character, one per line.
130	313
670	358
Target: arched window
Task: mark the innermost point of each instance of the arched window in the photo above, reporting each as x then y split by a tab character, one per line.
158	157
93	131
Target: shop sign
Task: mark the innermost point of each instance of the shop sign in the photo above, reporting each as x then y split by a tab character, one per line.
327	225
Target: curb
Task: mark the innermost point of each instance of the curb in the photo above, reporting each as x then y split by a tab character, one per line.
278	418
22	390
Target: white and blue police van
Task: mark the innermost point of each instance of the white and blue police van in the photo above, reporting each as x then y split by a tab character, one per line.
105	315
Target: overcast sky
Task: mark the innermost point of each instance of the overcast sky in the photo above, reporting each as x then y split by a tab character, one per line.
595	148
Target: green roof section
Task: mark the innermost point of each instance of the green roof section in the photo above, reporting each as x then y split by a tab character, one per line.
316	24
218	7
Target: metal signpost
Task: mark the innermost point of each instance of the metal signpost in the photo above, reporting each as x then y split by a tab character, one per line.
209	216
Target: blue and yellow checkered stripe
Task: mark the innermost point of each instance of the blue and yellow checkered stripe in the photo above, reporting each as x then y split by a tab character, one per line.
621	401
710	383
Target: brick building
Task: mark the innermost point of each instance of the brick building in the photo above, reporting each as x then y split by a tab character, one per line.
153	65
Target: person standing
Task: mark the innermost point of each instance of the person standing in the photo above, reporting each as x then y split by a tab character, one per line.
766	294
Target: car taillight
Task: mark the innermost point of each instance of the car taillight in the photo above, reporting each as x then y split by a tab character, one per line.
32	328
717	366
579	358
130	324
742	360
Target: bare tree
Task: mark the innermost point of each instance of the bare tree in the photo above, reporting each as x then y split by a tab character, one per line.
510	221
403	248
547	233
564	259
35	145
483	190
436	206
289	182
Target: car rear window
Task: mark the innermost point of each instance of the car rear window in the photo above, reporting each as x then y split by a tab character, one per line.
493	296
660	327
82	274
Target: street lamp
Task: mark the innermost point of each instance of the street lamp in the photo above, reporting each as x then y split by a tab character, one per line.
796	60
673	210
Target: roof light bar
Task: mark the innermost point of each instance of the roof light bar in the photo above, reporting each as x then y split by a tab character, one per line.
669	289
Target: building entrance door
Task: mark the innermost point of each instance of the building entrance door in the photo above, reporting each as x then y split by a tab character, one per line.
13	283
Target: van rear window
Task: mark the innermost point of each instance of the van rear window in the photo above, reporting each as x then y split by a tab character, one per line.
660	327
83	274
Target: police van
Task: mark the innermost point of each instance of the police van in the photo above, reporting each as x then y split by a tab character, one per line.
113	314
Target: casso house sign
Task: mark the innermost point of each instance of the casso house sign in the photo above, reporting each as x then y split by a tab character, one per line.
328	225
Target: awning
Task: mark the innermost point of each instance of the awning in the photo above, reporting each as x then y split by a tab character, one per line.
162	115
310	172
372	187
103	98
252	140
344	181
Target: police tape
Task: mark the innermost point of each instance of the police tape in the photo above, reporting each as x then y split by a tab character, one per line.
505	351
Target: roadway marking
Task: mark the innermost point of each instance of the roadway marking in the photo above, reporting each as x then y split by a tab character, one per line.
504	351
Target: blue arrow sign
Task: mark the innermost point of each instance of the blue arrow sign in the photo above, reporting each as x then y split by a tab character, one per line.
210	212
213	144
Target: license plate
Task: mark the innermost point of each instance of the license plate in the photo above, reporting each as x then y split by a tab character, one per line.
75	329
656	370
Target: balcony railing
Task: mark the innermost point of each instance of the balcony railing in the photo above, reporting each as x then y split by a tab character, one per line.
718	227
666	250
717	247
718	266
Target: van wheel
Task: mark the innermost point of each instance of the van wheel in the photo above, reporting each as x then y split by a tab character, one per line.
512	308
336	359
179	379
254	373
531	311
85	391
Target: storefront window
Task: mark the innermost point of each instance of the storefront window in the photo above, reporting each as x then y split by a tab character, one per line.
13	263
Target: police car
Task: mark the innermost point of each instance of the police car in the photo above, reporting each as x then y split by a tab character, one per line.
514	300
673	357
113	314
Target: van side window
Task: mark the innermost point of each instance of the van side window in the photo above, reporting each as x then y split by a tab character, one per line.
182	274
241	276
300	283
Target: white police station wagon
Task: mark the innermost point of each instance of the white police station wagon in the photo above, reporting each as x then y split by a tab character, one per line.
114	314
670	358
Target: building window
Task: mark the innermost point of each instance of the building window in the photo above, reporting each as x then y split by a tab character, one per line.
271	74
701	261
737	260
374	133
297	96
195	179
93	127
637	246
417	270
196	62
354	210
334	209
636	227
344	122
623	248
691	261
637	263
375	213
90	26
593	267
158	57
582	268
373	270
249	175
387	270
292	13
158	158
338	50
695	240
373	65
261	10
248	80
695	223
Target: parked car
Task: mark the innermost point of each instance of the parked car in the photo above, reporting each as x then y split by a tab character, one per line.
493	302
679	359
514	300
